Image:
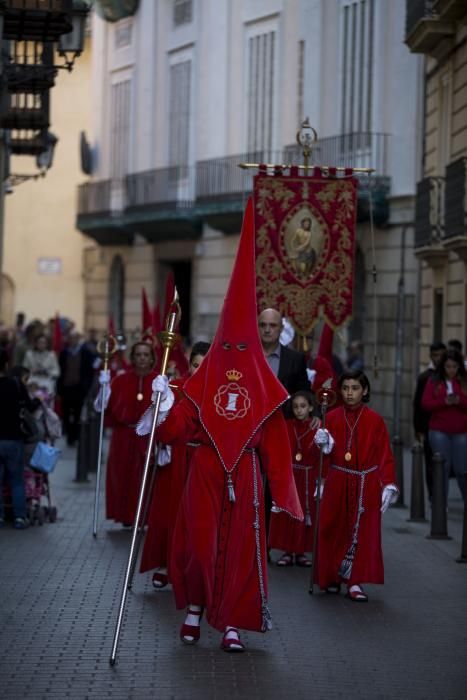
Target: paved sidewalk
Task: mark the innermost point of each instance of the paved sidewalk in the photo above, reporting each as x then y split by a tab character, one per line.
60	588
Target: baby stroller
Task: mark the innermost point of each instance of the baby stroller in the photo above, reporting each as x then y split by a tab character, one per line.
37	487
36	476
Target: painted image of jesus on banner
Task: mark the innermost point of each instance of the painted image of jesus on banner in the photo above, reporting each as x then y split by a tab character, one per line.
303	243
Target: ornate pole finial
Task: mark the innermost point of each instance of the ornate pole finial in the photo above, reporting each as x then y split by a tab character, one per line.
306	138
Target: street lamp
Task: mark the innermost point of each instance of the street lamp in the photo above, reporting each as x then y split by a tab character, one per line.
71	44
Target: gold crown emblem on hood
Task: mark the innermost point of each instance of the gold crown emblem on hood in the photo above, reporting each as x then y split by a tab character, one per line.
233	375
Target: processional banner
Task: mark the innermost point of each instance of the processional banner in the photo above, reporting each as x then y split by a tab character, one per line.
305	246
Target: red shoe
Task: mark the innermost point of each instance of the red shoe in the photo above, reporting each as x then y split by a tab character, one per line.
302	560
232	644
190	634
160	580
357	594
285	560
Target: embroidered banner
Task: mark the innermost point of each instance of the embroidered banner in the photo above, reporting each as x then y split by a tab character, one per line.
305	247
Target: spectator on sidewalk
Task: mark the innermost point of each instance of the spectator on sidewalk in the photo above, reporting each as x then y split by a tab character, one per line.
421	418
76	376
13	398
43	365
445	398
454	344
354	359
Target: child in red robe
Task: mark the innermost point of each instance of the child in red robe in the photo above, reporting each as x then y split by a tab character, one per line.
360	485
126	397
293	536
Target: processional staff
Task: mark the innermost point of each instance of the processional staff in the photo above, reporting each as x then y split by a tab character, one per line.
326	397
106	348
168	339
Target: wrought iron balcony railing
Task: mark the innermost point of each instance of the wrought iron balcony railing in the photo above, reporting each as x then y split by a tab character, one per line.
162	186
94	197
216	179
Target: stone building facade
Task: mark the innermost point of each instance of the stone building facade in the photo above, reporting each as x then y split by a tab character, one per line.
187	89
438	31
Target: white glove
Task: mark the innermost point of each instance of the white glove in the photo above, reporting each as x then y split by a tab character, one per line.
287	333
104	376
102	398
321	489
389	496
324	440
164	455
160	385
311	374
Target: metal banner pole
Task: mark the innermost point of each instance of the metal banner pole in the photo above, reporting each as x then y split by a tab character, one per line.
327	398
168	339
106	348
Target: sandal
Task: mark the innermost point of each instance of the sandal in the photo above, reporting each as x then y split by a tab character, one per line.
160	579
333	588
190	634
232	643
285	560
357	594
302	560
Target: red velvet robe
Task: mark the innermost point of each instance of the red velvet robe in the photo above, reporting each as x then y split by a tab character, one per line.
370	447
284	532
218	550
127	450
168	487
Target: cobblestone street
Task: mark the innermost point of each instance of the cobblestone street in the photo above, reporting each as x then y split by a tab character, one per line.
60	590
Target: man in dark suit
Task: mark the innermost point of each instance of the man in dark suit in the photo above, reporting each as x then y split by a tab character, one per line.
288	365
421	418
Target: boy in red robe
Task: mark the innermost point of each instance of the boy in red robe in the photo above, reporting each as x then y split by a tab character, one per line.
231	412
360	485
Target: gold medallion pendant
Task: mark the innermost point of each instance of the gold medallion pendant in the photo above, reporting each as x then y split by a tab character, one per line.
348	456
299	457
139	396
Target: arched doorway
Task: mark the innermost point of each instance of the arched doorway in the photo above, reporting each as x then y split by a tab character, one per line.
117	292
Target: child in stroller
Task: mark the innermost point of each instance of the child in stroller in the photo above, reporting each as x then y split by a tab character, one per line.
36	482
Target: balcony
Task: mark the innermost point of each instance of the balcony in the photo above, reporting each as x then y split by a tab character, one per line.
173	202
96	215
425	29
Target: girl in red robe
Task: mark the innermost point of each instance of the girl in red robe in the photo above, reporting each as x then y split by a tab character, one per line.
293	536
168	488
231	415
360	485
129	395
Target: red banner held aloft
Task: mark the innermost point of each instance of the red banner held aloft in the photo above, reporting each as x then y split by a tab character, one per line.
305	247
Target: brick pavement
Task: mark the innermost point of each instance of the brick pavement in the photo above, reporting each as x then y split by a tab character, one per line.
60	589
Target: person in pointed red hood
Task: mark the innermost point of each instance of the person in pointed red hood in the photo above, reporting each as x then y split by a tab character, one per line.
231	414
